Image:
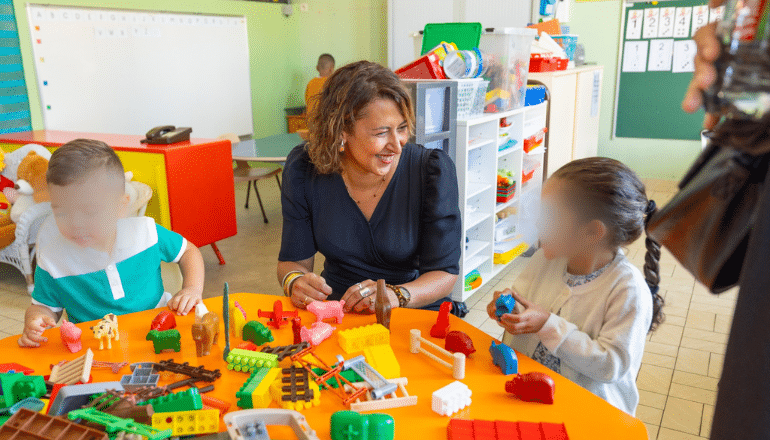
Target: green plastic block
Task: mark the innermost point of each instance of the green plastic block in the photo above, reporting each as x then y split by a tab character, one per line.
257	333
187	400
246	361
248	387
113	424
350	425
17	386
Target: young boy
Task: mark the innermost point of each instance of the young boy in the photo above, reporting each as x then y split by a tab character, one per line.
325	68
91	260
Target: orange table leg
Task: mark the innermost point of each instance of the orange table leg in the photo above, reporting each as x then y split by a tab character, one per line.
219	254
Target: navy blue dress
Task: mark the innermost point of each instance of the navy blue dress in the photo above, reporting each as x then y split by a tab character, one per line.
415	228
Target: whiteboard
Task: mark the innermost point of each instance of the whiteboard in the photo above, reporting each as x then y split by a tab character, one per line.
124	72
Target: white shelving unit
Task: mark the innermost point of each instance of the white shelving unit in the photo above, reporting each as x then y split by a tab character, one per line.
477	160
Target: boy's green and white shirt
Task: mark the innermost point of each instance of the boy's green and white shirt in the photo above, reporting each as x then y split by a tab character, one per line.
90	284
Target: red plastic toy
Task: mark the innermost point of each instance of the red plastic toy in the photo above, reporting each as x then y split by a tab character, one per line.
247	346
277	317
459	429
18	368
459	342
327	309
441	327
296	326
532	387
70	336
163	321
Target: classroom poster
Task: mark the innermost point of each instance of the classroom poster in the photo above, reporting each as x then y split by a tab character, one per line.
700	17
660	55
634	25
682	22
650	29
667	16
635	56
716	14
684	56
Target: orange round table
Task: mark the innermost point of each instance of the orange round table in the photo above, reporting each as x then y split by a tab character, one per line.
584	415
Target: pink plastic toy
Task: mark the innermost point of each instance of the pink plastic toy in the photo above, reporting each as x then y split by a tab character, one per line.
317	333
327	309
70	335
441	327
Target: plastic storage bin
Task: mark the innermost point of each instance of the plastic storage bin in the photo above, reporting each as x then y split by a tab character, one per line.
529	166
535	140
507	51
425	67
470	97
535	95
542	63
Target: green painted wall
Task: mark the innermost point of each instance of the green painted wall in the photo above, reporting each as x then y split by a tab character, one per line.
283	50
598	25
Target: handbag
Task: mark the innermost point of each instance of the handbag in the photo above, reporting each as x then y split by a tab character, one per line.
707	224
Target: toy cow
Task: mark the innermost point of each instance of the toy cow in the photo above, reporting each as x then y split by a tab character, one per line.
205	333
165	340
257	333
106	328
70	336
327	309
441	327
532	387
317	333
459	342
163	321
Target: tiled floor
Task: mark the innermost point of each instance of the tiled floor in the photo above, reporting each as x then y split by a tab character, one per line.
683	358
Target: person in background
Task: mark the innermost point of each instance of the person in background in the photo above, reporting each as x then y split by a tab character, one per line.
325	68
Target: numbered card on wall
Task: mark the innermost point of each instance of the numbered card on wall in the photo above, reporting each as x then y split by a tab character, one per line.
634	24
700	18
682	22
635	56
667	16
684	56
716	14
651	16
660	55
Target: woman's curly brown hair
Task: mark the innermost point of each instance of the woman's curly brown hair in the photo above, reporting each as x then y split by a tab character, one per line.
341	102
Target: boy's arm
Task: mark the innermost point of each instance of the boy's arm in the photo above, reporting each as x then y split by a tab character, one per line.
191	265
36	320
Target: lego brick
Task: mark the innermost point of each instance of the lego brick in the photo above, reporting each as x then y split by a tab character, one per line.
187	422
507	430
74	371
17	386
27	424
246	421
113	424
383	359
13	367
529	431
294	390
356	339
255	392
451	398
245	361
346	424
553	431
187	400
75	396
257	333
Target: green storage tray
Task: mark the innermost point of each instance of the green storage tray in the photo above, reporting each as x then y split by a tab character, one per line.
465	35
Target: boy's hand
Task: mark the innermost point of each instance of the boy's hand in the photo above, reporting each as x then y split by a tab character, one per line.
185	300
531	320
33	331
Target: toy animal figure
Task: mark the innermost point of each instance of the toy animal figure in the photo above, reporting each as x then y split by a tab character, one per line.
382	306
504	357
106	328
459	342
504	305
200	311
165	340
163	321
237	318
70	336
206	333
532	387
317	332
257	333
441	327
296	327
327	309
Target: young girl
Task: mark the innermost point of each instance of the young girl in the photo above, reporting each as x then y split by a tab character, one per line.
583	310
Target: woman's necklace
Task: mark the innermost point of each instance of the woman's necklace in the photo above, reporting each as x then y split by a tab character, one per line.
374	196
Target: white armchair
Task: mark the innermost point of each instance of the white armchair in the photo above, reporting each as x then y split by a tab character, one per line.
21	252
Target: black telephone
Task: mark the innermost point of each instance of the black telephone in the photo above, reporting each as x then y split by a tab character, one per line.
167	134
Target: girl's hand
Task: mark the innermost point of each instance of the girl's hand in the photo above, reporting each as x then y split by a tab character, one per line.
185	300
308	288
531	320
492	307
33	331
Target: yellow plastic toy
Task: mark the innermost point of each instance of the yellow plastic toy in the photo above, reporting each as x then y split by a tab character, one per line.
383	359
204	421
358	338
237	319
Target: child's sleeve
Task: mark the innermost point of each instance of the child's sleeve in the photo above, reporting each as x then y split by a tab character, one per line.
171	245
44	292
619	342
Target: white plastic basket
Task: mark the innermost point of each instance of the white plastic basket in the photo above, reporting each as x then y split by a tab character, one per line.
471	94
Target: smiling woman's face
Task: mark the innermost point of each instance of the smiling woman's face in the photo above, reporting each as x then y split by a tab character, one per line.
377	138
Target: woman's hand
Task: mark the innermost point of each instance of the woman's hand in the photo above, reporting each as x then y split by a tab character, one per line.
308	288
529	320
360	298
705	73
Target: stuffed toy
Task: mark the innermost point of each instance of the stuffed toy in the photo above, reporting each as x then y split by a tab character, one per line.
31	184
7	228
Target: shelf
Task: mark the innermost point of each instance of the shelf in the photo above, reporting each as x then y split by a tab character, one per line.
478	143
536	151
474	247
474	263
474	189
529	186
508	151
474	219
488	117
500	206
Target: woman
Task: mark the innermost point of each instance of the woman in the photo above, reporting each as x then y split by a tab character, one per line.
375	206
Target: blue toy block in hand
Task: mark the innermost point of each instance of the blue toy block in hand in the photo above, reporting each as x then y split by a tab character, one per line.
504	305
504	357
